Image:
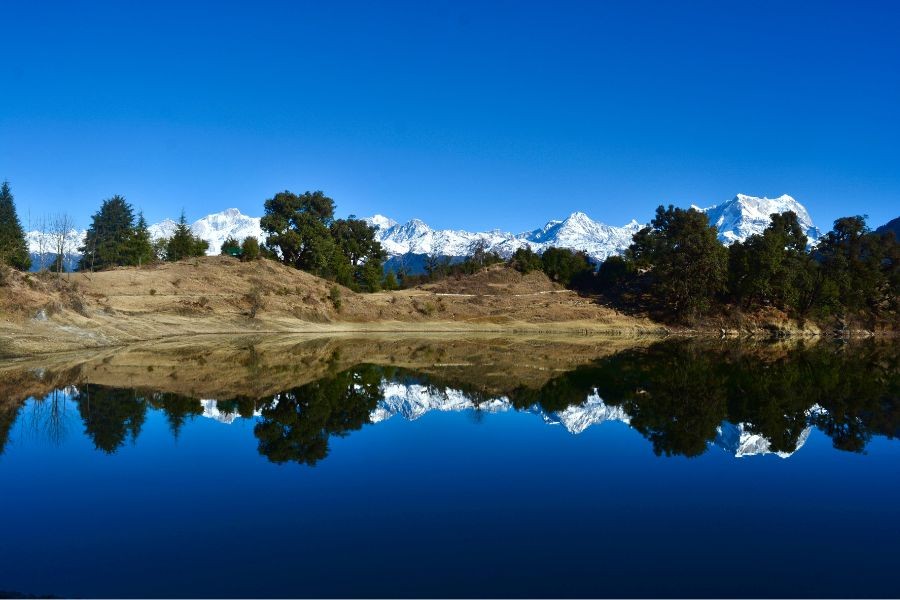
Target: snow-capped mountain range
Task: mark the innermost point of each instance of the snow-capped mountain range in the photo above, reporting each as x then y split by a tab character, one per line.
742	216
577	231
735	219
215	228
412	401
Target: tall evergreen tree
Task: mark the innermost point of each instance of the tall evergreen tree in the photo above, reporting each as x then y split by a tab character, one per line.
141	250
108	242
184	244
13	248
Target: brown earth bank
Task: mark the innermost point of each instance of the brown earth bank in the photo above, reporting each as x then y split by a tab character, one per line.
46	313
221	295
259	365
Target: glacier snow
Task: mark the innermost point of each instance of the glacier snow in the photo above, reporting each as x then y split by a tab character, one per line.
736	219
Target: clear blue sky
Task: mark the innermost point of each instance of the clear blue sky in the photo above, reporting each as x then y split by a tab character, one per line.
474	115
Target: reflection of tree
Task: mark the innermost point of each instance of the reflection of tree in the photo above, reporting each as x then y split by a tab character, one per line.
297	424
8	418
676	399
678	392
177	408
861	396
110	415
242	406
46	417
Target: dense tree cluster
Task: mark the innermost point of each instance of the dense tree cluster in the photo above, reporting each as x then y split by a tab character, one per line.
116	238
678	268
13	248
571	268
303	233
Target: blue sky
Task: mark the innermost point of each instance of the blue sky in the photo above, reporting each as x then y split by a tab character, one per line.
475	115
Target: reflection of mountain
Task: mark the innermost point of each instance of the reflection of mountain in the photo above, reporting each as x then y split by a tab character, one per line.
682	396
413	400
737	440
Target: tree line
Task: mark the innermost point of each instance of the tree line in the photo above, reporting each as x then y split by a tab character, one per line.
301	231
675	269
679	270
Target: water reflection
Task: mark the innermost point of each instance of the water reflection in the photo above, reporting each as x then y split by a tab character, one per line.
684	397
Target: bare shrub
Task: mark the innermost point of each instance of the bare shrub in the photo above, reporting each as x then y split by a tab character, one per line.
255	303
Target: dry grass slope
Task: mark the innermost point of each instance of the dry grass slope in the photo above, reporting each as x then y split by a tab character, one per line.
221	295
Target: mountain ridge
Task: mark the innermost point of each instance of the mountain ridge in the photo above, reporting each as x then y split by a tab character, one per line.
736	219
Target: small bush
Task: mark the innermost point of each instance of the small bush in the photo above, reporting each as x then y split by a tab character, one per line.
335	297
427	309
256	303
249	249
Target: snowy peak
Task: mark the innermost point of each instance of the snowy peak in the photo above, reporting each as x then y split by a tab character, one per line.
576	232
735	219
218	227
743	216
214	228
380	222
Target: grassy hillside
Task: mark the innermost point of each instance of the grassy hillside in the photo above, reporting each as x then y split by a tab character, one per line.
219	295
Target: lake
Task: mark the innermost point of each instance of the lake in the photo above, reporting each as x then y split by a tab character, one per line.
440	467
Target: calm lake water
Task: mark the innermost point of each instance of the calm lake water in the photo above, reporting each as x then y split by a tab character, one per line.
445	468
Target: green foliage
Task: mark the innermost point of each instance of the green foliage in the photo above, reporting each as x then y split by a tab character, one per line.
13	248
687	262
297	227
614	272
525	260
862	268
390	281
231	247
249	248
565	266
371	275
140	246
110	237
183	243
335	296
772	268
303	231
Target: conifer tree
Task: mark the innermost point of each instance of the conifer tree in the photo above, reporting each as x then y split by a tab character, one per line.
108	242
141	251
184	244
13	248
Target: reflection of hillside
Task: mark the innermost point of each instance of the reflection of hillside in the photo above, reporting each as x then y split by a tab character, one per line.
682	396
257	366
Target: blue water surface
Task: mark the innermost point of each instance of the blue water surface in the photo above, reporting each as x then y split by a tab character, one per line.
451	504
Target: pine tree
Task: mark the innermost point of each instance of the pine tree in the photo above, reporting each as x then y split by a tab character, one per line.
184	244
141	250
13	248
108	242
